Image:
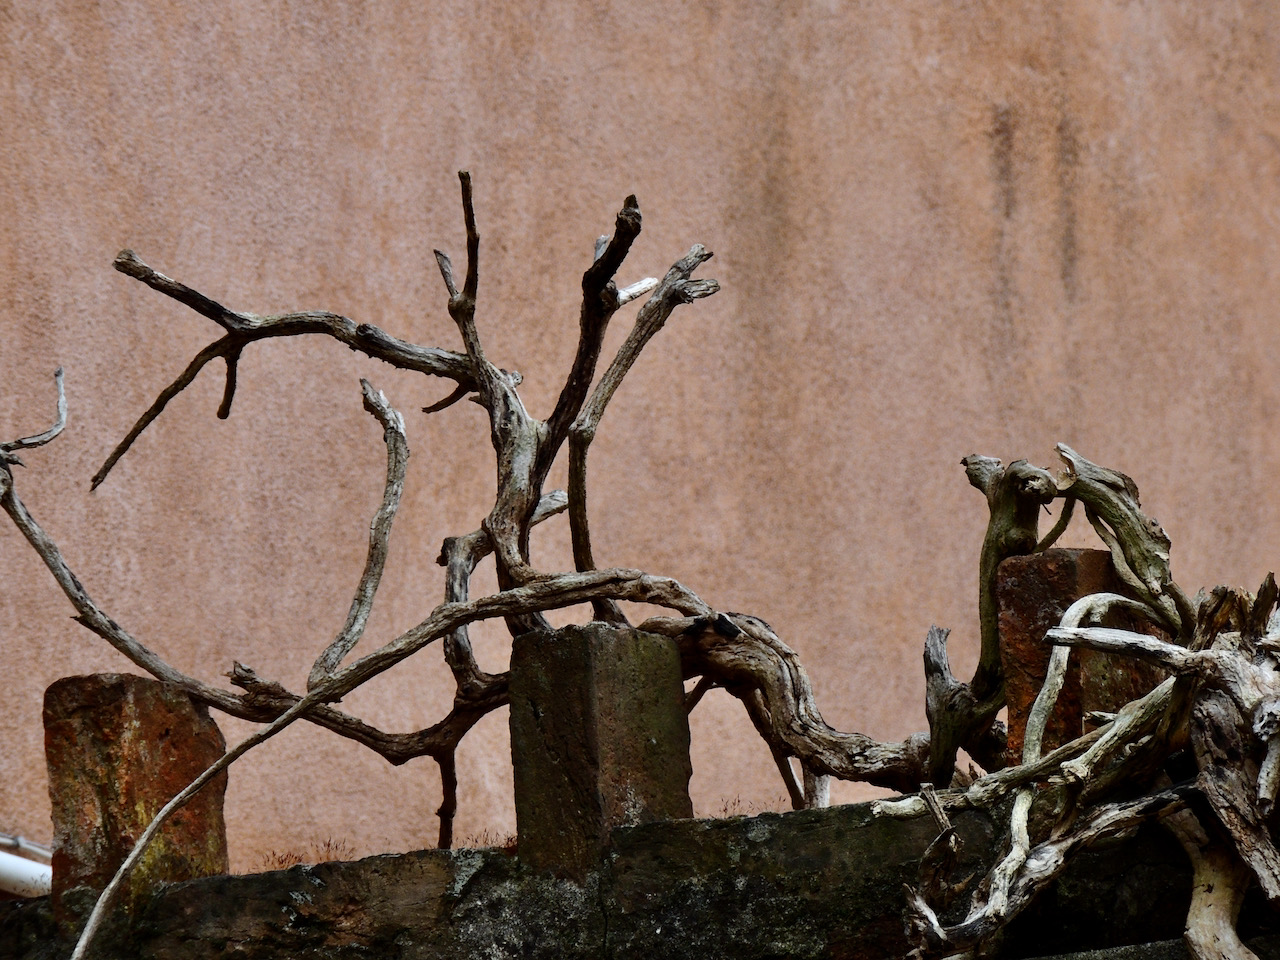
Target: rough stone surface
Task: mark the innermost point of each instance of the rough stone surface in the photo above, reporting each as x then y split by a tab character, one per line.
118	748
1032	594
810	885
1123	891
599	739
1266	948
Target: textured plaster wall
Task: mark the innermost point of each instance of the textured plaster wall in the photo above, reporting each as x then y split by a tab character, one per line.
941	228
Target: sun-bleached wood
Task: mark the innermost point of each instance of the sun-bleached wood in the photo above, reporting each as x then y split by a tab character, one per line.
1223	648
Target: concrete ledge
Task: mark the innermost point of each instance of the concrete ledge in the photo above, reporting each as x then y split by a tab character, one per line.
802	886
1267	948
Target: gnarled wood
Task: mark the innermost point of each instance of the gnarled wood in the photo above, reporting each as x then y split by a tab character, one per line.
1226	655
960	715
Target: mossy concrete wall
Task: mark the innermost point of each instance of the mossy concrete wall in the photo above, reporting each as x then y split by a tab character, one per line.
599	739
797	886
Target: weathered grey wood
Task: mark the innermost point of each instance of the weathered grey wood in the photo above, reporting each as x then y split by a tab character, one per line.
676	288
742	654
7	449
1139	545
1226	649
379	533
960	715
1218	888
1026	870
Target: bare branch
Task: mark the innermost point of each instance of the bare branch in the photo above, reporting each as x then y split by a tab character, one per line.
1139	543
89	613
1218	886
985	791
758	712
1134	721
460	392
1059	528
1015	496
817	789
460	556
599	303
1023	874
983	472
675	288
219	348
462	304
1226	756
265	700
39	439
471	284
448	764
127	262
960	715
1112	640
1093	607
694	696
955	718
580	526
637	290
245	328
549	592
742	654
446	272
379	533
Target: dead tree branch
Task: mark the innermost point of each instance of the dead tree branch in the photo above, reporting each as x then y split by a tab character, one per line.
379	533
742	654
245	328
960	714
7	455
676	288
1224	651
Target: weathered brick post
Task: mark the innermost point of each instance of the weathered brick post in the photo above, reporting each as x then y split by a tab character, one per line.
118	748
599	739
1032	594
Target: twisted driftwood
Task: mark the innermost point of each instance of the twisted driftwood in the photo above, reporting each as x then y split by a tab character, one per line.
1223	700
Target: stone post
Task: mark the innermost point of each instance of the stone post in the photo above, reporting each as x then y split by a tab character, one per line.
1032	594
599	739
118	748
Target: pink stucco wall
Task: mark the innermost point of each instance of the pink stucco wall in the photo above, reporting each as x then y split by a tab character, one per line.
940	229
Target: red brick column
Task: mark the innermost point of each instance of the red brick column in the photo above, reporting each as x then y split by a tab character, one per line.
118	748
1032	594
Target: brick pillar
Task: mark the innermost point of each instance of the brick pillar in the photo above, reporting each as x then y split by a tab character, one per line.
599	739
1032	594
118	748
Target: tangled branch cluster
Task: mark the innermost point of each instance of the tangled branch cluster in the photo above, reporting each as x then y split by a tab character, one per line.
1222	702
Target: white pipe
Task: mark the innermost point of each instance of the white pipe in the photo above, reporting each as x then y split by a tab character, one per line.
23	877
25	846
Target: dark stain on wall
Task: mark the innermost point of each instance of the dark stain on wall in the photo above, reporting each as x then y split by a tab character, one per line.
1066	163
